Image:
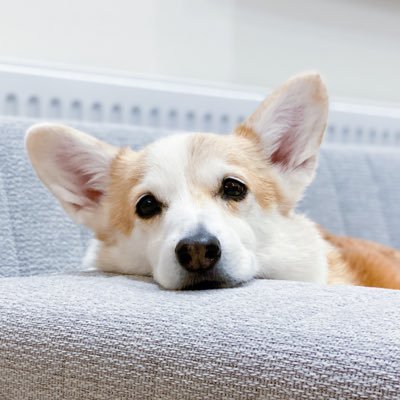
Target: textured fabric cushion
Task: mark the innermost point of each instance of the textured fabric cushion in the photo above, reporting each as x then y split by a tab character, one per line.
9	260
356	192
94	336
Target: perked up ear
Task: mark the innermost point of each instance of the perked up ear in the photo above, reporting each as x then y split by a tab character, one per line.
73	165
289	125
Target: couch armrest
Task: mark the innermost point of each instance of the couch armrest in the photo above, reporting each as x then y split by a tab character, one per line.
97	336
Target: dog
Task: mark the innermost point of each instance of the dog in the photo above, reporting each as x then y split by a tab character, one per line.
207	211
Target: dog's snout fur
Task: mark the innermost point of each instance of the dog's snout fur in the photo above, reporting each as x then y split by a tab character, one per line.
199	252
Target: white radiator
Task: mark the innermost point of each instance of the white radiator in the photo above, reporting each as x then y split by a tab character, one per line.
61	94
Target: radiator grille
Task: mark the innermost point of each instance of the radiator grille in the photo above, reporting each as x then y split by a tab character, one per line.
45	94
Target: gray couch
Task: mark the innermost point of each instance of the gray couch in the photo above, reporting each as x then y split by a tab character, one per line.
66	334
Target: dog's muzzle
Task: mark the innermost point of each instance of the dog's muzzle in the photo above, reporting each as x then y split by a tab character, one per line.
198	253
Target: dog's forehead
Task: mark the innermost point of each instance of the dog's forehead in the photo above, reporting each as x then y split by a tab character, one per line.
168	154
190	167
191	157
183	147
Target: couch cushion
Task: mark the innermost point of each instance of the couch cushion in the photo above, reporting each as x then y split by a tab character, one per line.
96	336
356	192
9	259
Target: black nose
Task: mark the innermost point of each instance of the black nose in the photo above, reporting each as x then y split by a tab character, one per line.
199	252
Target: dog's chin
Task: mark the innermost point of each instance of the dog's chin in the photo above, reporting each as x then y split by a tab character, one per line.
209	281
217	278
208	285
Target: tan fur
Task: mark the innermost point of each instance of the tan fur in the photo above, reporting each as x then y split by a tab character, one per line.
247	156
247	132
339	273
127	169
260	180
364	263
264	185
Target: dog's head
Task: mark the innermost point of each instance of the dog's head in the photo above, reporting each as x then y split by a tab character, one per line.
192	209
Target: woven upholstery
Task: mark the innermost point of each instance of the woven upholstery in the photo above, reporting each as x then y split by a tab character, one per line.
111	337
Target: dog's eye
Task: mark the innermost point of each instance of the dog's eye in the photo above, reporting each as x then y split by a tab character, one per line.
233	189
148	206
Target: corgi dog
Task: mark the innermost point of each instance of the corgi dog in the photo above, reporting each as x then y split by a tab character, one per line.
206	211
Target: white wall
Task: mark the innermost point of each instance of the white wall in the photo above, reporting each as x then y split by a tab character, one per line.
354	43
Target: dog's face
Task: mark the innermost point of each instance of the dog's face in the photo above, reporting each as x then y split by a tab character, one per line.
197	209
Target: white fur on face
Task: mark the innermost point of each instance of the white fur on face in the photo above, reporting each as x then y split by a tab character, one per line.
256	242
188	192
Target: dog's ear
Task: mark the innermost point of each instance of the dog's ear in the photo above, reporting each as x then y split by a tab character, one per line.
289	125
73	165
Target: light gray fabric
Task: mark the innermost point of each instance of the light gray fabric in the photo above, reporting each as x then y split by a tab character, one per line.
93	336
9	260
356	192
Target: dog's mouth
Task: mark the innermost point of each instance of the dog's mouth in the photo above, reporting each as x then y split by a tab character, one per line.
206	285
199	282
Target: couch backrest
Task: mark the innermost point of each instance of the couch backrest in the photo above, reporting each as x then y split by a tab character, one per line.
356	192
